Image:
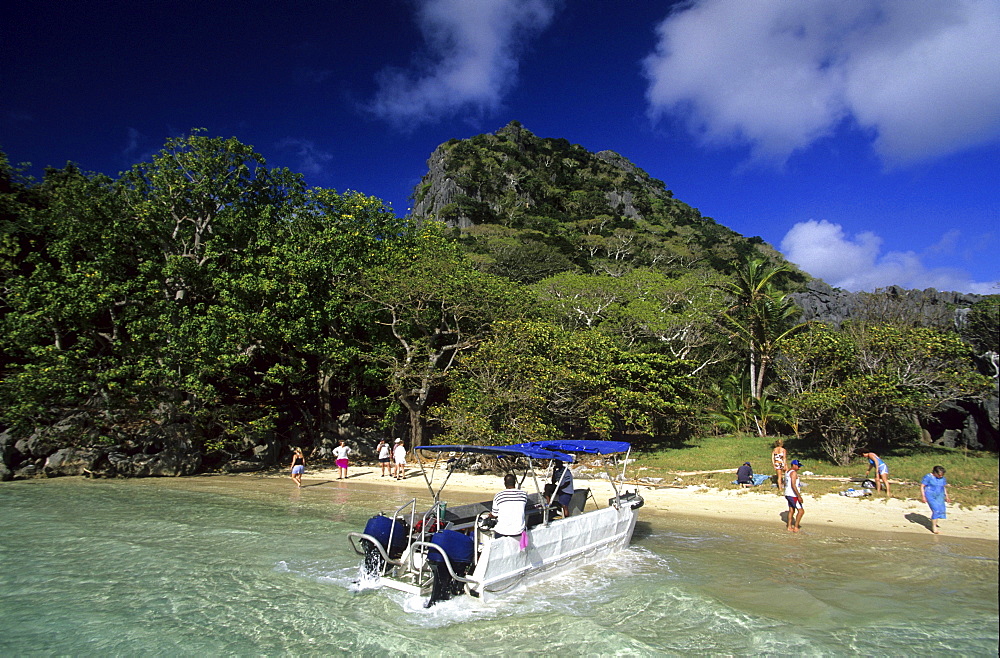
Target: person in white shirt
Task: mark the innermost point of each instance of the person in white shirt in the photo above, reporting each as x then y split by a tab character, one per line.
341	453
383	456
399	456
508	509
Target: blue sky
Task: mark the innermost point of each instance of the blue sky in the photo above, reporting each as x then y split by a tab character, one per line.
859	137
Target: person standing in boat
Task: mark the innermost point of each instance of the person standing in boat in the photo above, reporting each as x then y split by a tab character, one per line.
399	457
562	478
383	456
508	509
341	453
298	466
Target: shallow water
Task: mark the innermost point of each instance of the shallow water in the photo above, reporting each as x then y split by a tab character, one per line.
245	565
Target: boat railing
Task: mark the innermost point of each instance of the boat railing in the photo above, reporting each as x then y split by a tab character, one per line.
426	545
412	504
351	536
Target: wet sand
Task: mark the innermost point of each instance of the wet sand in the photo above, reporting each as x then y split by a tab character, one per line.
830	513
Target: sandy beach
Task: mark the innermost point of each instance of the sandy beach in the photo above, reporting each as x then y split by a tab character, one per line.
872	514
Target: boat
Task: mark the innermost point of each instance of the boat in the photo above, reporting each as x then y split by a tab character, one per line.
445	550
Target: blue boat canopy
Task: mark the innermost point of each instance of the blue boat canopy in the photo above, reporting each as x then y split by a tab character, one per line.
573	445
520	450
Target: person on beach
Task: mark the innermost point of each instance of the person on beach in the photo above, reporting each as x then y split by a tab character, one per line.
298	466
562	478
341	453
399	457
934	492
778	457
794	497
383	456
881	471
744	475
508	509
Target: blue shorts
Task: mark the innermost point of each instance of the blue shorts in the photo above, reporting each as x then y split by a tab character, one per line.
883	469
794	502
298	469
564	499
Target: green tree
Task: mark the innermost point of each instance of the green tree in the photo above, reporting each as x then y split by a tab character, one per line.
534	380
759	317
434	306
865	385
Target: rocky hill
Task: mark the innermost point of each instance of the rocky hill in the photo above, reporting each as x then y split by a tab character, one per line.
530	207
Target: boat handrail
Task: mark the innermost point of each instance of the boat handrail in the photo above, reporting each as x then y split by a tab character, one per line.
447	560
375	542
412	504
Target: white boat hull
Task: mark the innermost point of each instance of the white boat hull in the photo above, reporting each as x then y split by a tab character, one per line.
560	546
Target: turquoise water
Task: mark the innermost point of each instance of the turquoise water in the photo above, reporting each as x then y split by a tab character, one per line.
252	566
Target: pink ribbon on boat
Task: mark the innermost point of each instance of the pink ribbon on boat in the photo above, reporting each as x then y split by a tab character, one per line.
524	539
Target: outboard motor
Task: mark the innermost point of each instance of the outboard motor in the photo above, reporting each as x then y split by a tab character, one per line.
630	498
391	534
460	550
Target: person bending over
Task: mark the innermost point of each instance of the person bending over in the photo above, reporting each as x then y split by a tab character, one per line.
881	471
744	475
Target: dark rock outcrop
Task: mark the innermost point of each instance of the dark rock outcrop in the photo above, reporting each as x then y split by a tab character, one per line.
72	461
821	302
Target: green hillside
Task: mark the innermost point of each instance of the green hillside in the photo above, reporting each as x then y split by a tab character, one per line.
529	207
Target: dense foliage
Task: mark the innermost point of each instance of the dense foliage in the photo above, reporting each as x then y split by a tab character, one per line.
206	303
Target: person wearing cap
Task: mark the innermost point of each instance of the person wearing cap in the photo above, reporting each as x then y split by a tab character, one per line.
562	478
794	497
399	456
744	475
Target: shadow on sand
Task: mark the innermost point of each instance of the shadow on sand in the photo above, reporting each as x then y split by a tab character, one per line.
913	517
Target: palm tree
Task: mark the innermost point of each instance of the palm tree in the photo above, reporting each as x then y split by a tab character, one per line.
759	317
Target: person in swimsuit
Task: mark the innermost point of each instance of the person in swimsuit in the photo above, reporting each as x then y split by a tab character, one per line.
934	492
881	471
778	457
794	497
298	466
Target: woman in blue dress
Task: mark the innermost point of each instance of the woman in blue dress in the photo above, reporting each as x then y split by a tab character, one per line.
934	491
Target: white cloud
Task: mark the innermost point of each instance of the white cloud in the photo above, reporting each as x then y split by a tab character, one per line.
471	59
822	249
311	159
923	75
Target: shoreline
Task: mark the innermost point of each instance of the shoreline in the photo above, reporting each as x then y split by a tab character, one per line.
872	514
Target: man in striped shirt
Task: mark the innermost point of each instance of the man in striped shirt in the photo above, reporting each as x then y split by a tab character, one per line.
508	508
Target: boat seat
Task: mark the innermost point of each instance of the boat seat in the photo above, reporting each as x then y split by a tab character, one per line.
577	502
461	516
